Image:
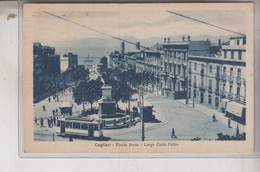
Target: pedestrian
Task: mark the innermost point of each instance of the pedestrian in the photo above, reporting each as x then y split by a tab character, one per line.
53	112
229	123
173	133
49	99
54	120
214	118
43	108
51	121
41	122
35	120
48	122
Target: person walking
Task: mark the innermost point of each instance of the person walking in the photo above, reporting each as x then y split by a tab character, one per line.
229	123
43	108
35	120
49	99
54	120
48	122
214	118
173	133
41	122
51	121
53	112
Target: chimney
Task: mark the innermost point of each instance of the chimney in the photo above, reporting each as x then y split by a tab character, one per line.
183	38
188	37
122	47
219	42
138	45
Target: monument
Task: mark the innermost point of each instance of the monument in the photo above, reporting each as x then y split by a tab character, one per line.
107	106
107	111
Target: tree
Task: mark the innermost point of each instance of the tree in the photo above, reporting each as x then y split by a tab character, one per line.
93	92
103	66
127	94
87	92
79	93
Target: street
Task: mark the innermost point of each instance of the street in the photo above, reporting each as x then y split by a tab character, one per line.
187	122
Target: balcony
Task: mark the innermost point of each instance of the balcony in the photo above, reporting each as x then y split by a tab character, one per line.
231	79
210	89
202	88
202	72
244	82
237	98
230	96
224	77
223	94
217	75
238	80
217	91
244	100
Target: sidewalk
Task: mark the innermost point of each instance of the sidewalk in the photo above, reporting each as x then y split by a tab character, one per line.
208	111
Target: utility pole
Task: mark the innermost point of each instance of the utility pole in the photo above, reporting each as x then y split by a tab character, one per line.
142	109
187	80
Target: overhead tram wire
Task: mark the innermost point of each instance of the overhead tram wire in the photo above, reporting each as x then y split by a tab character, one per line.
94	30
181	15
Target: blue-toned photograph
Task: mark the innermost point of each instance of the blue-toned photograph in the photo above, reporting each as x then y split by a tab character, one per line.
125	74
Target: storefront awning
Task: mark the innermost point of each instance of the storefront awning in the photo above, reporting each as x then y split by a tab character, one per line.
235	108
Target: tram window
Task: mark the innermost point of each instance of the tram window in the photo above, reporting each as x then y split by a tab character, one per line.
84	126
76	125
68	125
58	123
95	127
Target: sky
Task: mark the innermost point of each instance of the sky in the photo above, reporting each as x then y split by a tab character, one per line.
134	24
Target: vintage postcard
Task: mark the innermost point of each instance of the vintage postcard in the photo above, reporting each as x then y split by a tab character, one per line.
138	78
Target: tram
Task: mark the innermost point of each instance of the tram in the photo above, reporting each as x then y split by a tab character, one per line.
80	126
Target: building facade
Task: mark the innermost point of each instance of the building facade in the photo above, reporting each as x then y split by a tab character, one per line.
46	68
73	60
215	81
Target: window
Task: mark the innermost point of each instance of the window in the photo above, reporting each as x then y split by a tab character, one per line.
238	73
210	68
232	54
239	55
210	84
210	99
184	55
231	73
68	125
230	89
202	82
76	125
95	127
225	54
238	42
195	66
84	126
238	91
217	84
216	101
224	70
195	80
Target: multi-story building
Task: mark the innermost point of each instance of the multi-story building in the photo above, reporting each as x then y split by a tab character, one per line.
218	80
73	60
46	67
175	61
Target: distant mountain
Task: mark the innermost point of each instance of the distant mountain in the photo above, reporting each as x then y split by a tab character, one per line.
98	47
